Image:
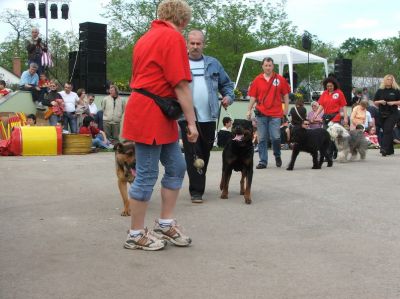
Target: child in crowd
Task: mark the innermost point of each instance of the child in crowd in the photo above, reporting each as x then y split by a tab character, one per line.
370	135
31	120
3	90
285	133
43	84
224	134
99	138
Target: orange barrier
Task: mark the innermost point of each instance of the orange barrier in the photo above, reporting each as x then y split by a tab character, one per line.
36	141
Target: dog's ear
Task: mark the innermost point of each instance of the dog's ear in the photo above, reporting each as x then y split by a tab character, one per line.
118	147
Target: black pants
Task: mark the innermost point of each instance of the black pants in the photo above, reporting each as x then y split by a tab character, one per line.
387	139
202	148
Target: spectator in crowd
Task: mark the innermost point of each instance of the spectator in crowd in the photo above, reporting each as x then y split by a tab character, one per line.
113	108
285	133
371	136
43	85
160	66
315	119
55	103
35	48
71	100
82	109
99	138
298	113
358	115
3	90
355	100
376	119
225	133
31	120
94	111
295	78
30	82
269	90
365	93
209	79
387	98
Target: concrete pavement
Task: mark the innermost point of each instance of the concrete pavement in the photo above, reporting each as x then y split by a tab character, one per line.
330	233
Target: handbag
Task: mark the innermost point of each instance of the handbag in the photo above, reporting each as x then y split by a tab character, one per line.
48	113
169	106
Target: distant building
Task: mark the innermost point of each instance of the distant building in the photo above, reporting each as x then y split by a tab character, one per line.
8	76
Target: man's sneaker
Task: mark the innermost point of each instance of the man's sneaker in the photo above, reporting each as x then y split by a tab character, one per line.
144	241
40	106
278	161
261	166
197	199
172	233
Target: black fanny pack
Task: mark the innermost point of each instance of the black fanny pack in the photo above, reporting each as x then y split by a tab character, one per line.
169	106
328	117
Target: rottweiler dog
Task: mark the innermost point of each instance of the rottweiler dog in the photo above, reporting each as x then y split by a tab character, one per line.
125	162
311	141
238	155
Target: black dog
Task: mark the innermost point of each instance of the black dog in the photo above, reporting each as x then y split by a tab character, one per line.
238	155
311	141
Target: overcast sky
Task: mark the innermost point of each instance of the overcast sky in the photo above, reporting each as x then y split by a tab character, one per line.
333	21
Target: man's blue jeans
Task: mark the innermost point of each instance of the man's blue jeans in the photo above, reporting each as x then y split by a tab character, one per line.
71	120
147	160
268	128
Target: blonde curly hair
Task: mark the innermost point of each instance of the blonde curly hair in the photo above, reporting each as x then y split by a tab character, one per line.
177	12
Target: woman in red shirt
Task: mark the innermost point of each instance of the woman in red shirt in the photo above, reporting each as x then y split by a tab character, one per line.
333	102
160	66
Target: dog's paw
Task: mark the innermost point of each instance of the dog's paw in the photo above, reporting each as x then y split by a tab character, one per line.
316	167
289	168
224	196
330	164
125	213
247	201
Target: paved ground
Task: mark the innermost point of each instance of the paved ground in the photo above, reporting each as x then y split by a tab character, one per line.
330	233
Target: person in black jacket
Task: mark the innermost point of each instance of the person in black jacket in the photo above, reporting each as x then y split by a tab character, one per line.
35	48
387	98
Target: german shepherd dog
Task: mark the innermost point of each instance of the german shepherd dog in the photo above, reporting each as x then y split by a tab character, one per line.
238	155
125	162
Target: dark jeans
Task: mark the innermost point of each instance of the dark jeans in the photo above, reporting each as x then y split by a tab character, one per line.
388	126
35	93
71	120
202	148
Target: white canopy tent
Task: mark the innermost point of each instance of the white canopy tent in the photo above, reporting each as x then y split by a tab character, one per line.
283	55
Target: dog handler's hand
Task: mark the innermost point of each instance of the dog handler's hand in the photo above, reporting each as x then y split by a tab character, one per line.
192	133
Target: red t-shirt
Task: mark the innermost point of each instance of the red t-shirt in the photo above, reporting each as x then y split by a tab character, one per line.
4	92
269	94
332	103
89	130
160	62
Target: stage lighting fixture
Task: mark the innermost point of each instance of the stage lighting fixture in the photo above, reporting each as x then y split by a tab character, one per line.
64	11
53	11
32	10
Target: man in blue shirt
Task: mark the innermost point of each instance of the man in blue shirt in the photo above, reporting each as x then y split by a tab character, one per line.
30	82
208	78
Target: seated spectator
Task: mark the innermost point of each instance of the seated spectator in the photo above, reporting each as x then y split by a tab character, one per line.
99	139
314	118
298	113
30	82
43	85
55	102
396	133
31	120
285	133
224	134
370	135
357	98
82	109
3	90
359	114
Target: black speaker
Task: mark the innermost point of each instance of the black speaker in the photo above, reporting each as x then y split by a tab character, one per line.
64	11
343	73
93	61
306	41
54	11
94	82
42	11
32	10
92	36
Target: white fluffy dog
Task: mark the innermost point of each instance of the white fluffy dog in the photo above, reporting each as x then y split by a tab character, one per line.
348	142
